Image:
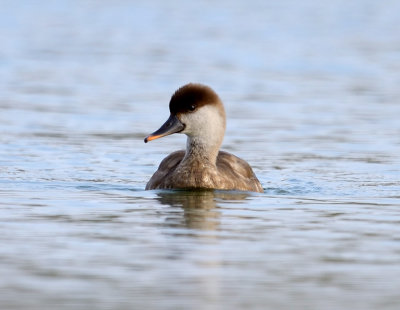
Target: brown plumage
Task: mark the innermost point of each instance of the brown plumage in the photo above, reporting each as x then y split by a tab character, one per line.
197	111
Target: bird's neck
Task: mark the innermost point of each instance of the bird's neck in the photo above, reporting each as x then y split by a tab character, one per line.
204	150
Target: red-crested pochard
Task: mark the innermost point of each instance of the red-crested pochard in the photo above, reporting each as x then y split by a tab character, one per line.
197	111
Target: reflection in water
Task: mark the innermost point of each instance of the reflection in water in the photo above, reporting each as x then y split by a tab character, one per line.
200	213
200	207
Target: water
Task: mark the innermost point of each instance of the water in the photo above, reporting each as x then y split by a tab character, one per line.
311	93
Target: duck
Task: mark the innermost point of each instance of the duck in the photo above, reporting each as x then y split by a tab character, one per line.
197	111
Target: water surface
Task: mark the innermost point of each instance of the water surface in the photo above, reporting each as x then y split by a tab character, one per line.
311	93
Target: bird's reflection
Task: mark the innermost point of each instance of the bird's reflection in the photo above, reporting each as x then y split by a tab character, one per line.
200	223
200	206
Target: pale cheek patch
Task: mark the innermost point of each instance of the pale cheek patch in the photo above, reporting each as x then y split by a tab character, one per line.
200	120
206	124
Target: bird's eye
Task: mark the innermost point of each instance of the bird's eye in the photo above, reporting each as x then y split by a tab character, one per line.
192	107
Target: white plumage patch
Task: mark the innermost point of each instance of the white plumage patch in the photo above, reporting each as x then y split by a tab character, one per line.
206	125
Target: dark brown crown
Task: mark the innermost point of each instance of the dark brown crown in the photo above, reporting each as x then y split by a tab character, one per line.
190	97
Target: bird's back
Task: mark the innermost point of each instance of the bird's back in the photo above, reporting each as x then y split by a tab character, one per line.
237	173
232	173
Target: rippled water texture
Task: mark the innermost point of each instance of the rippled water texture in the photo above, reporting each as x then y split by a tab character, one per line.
311	90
